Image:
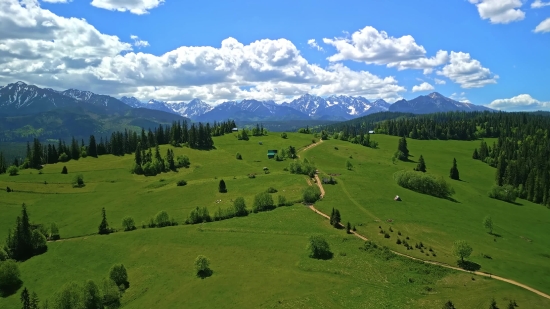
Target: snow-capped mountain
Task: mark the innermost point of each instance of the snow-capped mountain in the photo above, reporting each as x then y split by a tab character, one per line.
252	110
433	103
337	107
111	103
159	106
193	109
132	102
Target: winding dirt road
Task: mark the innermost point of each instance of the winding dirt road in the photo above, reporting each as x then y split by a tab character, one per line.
312	207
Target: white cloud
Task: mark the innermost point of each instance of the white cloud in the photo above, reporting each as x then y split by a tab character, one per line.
139	43
467	72
138	7
39	47
373	47
537	4
58	1
500	11
439	81
544	26
422	87
427	64
314	44
522	102
460	97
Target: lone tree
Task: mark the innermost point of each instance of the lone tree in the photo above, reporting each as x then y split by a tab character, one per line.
349	166
202	266
104	226
449	305
25	299
462	250
421	166
402	150
348	228
119	275
318	248
335	218
488	224
240	207
221	187
493	304
64	170
454	171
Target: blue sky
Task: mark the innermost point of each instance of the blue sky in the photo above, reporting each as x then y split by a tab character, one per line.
493	52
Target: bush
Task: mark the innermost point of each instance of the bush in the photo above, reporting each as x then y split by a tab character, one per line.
505	193
13	170
3	255
9	277
63	157
162	219
78	181
183	161
318	248
239	207
424	183
128	224
54	231
181	183
311	194
137	169
119	275
304	167
281	201
39	242
263	202
202	266
271	190
238	156
283	135
198	215
64	170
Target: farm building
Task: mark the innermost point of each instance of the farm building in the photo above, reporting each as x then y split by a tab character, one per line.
235	129
371	132
271	154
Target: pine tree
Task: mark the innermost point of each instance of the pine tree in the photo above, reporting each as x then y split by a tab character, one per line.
454	171
337	218
25	299
138	158
221	187
104	226
92	147
348	228
3	166
475	156
493	304
421	166
34	301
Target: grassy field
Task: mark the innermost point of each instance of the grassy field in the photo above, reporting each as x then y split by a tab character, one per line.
364	196
260	260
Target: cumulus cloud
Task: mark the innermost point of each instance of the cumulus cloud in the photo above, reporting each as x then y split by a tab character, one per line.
138	7
58	1
39	47
467	72
370	46
522	102
500	11
544	26
139	43
439	81
427	64
312	43
460	97
537	4
423	87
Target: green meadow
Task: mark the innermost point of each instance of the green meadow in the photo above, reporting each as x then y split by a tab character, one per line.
260	261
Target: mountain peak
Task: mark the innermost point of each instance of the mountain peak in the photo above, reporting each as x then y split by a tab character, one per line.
436	95
20	83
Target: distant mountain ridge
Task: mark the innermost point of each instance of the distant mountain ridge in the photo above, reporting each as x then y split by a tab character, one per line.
433	103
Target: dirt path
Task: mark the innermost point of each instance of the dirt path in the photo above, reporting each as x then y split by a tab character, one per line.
479	273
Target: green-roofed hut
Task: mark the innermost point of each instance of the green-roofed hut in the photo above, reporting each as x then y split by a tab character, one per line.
271	154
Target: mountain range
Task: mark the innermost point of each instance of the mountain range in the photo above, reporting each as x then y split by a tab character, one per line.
50	110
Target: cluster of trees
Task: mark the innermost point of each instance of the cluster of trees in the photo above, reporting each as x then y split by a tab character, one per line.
318	247
363	138
493	305
424	183
335	218
402	152
25	240
222	128
259	130
505	193
198	215
311	194
147	164
304	167
289	152
263	202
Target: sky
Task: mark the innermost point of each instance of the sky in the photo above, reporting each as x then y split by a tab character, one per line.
487	52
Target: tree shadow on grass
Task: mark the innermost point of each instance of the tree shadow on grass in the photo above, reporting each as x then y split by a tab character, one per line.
494	234
11	289
205	273
325	256
469	265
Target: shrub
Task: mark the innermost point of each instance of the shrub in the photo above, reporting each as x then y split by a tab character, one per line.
8	189
78	181
9	276
239	207
318	248
263	202
63	157
386	235
283	135
54	231
424	183
271	190
505	193
305	167
39	242
111	293
181	183
311	194
13	170
162	219
128	223
183	161
281	201
251	176
64	170
238	156
398	241
119	275
202	266
137	169
198	215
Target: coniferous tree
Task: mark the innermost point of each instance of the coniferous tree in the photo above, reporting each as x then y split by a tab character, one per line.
92	147
337	218
34	301
75	150
104	226
475	156
454	174
449	305
221	187
137	155
402	150
421	166
25	299
3	167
